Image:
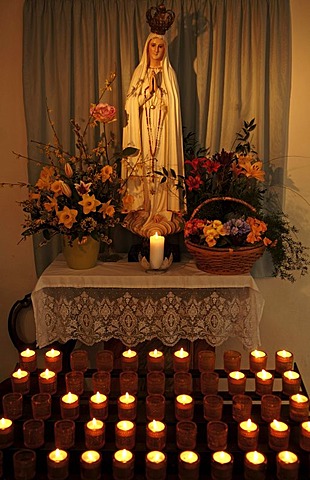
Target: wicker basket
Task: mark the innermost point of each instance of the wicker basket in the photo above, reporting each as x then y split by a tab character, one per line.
224	261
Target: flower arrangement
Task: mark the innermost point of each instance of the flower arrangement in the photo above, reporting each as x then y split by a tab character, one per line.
80	194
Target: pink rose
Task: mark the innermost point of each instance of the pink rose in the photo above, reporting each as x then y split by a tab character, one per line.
103	112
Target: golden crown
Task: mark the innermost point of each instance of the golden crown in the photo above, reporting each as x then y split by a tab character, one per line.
160	19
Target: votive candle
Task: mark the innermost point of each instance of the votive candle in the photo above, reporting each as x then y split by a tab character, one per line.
20	381
48	382
101	382
98	406
105	361
278	435
183	383
241	407
28	360
188	465
69	406
156	433
6	433
129	360
236	382
283	361
57	465
263	382
79	360
257	360
123	465
248	435
287	465
53	360
270	407
206	361
129	382
155	465
290	382
209	382
90	465
127	407
184	407
155	383
299	407
221	465
125	435
94	434
212	407
217	432
181	360
255	465
232	361
304	436
155	361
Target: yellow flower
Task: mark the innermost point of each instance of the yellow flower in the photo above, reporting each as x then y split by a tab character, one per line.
45	178
253	170
128	200
67	216
56	187
51	205
107	209
66	190
68	170
106	172
89	203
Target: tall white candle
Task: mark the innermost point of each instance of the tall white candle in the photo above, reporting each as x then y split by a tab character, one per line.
157	243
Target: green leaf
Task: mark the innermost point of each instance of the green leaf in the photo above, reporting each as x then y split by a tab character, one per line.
129	152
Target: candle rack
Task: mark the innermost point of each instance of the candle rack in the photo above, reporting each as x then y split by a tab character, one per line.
140	450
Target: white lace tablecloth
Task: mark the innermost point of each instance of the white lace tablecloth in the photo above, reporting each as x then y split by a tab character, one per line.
120	300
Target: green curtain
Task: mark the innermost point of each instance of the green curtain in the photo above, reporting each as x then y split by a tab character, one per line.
232	59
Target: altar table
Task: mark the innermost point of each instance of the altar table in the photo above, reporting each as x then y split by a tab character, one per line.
120	300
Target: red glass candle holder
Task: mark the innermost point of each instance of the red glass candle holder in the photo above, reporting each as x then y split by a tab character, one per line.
236	383
41	405
186	435
255	466
123	465
90	465
94	431
299	407
33	432
48	382
57	465
53	360
101	382
24	464
257	360
127	407
12	404
20	381
155	383
156	433
130	360
129	382
270	407
155	465
241	407
69	406
98	406
209	382
155	407
79	360
222	465
105	361
6	433
284	361
183	383
248	432
155	361
125	435
304	436
75	382
188	465
28	360
287	465
181	361
232	361
264	382
212	407
184	407
291	382
278	435
64	434
217	432
206	361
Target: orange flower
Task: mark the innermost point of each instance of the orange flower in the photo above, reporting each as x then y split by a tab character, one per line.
51	205
45	178
107	210
56	187
67	216
106	172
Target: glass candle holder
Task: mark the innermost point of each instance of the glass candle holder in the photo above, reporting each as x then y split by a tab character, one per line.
156	433
278	435
98	406
125	435
241	407
184	407
304	436
217	432
90	465
123	465
255	466
221	465
127	407
69	406
130	360
248	432
206	361
57	465
41	405
155	407
79	360
186	435
105	361
209	382
287	465
129	382
101	382
53	360
232	361
181	361
236	383
28	360
155	383
48	382
6	433
20	381
284	361
24	464
263	382
12	404
188	465
299	407
155	465
64	434
270	407
155	361
258	360
75	382
94	431
291	382
183	383
212	407
33	432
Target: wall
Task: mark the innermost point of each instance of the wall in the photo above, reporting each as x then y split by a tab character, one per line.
284	323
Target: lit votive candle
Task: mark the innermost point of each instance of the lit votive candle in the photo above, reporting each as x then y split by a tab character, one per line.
20	381
283	361
255	465
290	382
263	382
155	465
221	466
236	383
129	360
258	360
123	465
98	406
157	245
48	382
90	465
28	360
181	360
125	435
188	465
53	360
155	361
287	465
304	436
57	465
127	407
94	431
248	432
6	433
299	407
69	406
156	433
278	435
184	407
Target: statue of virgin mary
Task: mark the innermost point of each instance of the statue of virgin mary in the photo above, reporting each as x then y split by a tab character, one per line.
154	128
